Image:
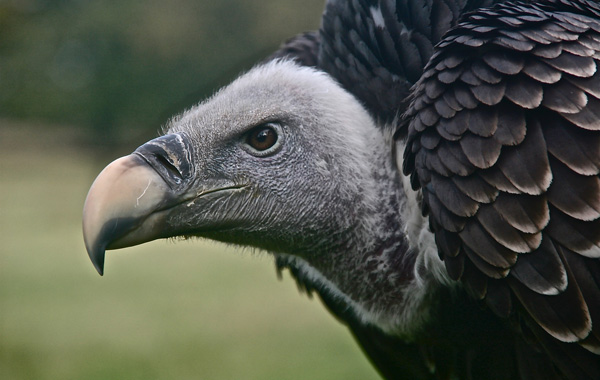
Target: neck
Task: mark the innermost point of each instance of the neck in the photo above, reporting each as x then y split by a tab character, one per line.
388	256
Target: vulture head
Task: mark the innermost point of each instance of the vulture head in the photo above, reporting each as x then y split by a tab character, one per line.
284	160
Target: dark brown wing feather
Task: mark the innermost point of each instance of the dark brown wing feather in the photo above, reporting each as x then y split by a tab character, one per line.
377	49
505	145
303	48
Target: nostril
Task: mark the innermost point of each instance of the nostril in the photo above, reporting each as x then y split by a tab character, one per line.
169	156
171	168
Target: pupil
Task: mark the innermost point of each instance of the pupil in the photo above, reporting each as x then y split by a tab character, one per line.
263	135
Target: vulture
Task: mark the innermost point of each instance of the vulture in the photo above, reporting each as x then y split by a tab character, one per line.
429	168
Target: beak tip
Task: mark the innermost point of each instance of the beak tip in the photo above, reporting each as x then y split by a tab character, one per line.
98	262
99	268
97	258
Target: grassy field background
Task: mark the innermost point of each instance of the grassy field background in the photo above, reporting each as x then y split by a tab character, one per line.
163	310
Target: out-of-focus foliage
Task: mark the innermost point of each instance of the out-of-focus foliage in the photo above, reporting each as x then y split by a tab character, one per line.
121	65
117	70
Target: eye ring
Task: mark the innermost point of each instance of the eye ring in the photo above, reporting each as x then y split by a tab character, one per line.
263	139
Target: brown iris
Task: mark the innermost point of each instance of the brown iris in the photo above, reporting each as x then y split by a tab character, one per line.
262	137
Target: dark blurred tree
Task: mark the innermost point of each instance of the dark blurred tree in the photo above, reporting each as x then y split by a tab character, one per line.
121	66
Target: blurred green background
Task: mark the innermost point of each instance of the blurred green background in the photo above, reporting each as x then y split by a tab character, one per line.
81	83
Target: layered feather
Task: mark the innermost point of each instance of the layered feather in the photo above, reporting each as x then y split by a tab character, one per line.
519	205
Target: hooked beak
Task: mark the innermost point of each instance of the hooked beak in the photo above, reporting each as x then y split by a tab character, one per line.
130	199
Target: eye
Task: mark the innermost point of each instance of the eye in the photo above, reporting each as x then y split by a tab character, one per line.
262	137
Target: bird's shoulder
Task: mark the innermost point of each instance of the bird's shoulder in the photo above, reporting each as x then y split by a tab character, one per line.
504	141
